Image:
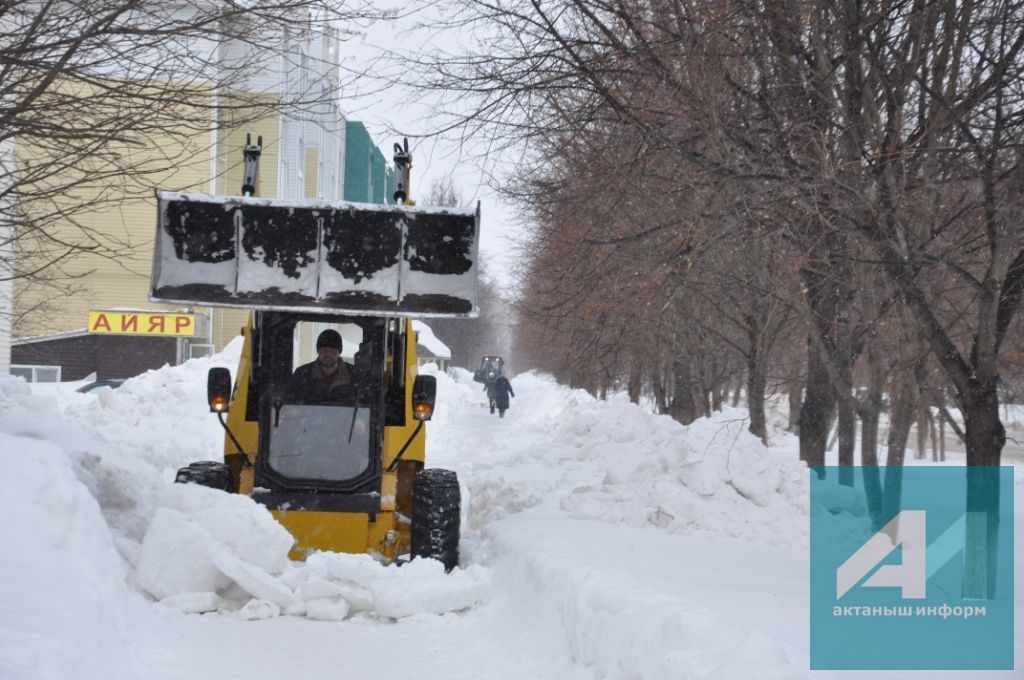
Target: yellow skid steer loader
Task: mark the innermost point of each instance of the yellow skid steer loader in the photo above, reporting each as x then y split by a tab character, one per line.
342	469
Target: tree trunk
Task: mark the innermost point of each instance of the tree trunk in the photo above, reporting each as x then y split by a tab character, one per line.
922	432
795	393
985	438
635	383
660	393
842	360
981	541
869	417
847	440
757	377
816	409
757	381
942	439
683	407
701	397
933	433
827	281
901	418
984	433
870	409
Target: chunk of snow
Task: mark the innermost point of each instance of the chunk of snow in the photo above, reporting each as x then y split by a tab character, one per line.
244	527
258	610
178	556
327	609
255	581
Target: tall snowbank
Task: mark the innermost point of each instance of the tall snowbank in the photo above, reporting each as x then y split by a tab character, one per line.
62	591
613	461
537	481
81	475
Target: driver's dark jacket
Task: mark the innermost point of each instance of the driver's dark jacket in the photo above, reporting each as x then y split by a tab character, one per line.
310	384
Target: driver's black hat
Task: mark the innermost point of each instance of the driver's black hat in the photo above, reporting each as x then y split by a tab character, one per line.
329	338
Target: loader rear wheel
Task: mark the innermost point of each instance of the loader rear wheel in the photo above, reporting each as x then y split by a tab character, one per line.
206	473
435	516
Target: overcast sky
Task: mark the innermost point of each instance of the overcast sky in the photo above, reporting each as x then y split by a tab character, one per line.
401	109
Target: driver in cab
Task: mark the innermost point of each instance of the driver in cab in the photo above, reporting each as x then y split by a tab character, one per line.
327	378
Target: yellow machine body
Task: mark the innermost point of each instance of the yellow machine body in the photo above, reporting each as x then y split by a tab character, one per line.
384	534
234	252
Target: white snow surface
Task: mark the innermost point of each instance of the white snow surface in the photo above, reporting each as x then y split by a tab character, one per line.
599	541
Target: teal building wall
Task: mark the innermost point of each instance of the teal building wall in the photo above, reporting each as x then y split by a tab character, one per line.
368	177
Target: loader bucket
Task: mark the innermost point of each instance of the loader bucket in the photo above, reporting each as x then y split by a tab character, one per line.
260	253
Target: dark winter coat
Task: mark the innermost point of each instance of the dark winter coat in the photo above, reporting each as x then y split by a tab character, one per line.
500	391
309	383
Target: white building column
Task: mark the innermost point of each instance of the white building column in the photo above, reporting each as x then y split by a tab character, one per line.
6	258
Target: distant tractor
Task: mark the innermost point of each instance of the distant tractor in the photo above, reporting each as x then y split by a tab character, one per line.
344	470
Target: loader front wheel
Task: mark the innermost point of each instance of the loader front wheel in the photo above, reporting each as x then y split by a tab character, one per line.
435	516
206	473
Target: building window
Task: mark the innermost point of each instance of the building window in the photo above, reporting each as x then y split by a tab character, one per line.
196	351
36	374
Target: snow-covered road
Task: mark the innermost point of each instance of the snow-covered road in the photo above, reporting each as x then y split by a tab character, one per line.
599	541
478	643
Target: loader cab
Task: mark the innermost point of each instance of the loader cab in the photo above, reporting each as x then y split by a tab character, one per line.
342	469
331	443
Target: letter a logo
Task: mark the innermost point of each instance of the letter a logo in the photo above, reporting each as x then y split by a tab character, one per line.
909	529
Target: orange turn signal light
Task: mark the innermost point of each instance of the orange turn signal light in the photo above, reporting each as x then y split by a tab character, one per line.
422	411
219	404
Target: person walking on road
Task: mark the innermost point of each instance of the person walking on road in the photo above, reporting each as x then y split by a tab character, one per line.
500	391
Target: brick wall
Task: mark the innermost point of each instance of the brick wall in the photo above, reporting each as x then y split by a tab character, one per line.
109	356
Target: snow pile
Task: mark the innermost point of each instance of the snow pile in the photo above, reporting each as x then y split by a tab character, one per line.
613	461
130	441
62	592
209	551
81	475
544	484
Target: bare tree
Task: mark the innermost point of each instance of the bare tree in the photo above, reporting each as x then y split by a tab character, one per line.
886	132
100	98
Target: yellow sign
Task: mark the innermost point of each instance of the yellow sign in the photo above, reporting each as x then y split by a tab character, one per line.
142	323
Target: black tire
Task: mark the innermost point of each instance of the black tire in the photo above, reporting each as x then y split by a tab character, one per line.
206	473
435	516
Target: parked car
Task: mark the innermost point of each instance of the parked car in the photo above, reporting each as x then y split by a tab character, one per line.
99	384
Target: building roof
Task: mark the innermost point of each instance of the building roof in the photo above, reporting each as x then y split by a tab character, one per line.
52	336
425	338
